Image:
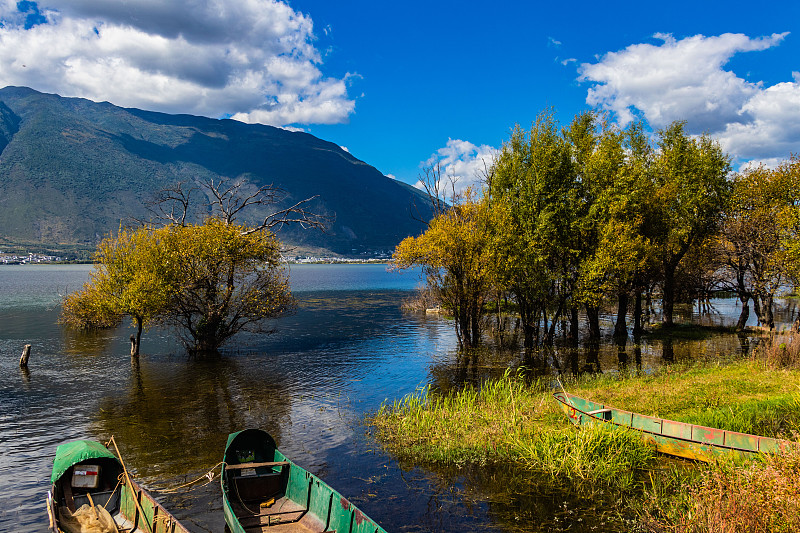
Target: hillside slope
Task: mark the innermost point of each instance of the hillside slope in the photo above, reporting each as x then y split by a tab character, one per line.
72	170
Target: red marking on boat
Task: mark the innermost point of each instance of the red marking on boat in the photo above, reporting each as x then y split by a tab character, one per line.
359	517
345	503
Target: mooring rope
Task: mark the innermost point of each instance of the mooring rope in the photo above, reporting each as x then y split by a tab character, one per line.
209	476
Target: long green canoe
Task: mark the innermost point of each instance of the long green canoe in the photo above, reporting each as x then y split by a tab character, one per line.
669	437
263	491
86	473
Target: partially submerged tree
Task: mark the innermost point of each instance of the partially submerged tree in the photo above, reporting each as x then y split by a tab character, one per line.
532	195
209	279
453	254
757	235
131	279
691	189
228	279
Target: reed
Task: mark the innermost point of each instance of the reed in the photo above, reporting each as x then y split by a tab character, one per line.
779	351
508	420
590	455
759	496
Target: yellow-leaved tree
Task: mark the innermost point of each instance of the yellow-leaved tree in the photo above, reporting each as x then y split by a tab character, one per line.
453	253
209	280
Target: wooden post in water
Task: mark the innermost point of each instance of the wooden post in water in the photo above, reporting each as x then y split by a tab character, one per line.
26	353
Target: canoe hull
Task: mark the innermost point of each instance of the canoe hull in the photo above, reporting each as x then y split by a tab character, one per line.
263	490
679	439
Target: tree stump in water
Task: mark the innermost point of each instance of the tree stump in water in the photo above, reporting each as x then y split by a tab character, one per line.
26	353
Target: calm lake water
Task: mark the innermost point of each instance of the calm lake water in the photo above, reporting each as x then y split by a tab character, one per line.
347	349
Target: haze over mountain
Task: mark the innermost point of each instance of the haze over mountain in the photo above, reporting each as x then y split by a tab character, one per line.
72	170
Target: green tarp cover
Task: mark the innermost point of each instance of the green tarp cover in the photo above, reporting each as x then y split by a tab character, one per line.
74	452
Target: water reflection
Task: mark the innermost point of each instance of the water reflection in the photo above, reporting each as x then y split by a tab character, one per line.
171	420
348	348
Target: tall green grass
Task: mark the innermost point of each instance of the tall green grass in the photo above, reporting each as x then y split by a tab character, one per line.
589	455
510	421
505	421
773	417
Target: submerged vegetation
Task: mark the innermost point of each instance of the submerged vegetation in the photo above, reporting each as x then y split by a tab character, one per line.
580	217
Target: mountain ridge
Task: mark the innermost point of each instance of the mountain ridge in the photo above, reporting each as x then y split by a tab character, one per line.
73	170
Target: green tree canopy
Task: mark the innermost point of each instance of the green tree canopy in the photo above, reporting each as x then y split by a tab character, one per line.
691	189
533	194
208	280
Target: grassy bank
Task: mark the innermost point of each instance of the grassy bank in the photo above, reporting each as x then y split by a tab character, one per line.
510	421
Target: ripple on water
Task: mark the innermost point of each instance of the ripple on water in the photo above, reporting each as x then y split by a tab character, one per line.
347	349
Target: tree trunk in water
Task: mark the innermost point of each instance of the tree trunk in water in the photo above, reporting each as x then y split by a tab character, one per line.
593	319
551	333
136	341
668	298
637	314
621	327
766	308
622	354
745	314
26	353
573	325
757	309
475	321
668	349
464	325
593	356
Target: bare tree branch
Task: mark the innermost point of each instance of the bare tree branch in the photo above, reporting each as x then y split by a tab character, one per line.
170	205
435	186
227	199
296	214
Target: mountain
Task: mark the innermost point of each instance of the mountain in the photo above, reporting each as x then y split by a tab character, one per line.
72	170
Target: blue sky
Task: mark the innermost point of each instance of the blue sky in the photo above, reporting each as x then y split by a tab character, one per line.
400	83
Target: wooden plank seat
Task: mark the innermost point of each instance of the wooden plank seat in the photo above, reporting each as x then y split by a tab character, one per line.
255	465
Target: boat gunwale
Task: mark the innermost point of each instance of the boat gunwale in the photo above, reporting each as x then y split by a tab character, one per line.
564	399
357	516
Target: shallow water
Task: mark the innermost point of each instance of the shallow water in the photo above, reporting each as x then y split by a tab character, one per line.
348	348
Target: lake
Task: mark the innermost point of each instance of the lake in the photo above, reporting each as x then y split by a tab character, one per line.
348	348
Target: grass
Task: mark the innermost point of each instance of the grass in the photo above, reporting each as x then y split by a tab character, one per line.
510	421
760	496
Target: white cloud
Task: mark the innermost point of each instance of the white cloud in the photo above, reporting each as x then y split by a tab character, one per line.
463	162
685	80
254	60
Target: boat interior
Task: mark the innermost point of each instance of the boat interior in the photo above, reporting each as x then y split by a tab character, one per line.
98	477
256	487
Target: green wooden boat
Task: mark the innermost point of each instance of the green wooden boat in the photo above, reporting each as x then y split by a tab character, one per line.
263	491
87	473
669	437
